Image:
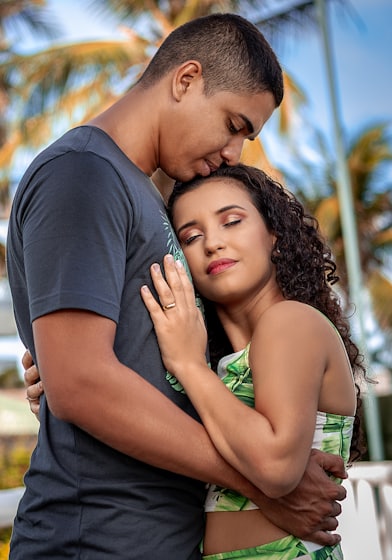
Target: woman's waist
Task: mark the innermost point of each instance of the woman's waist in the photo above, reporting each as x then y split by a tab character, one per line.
231	530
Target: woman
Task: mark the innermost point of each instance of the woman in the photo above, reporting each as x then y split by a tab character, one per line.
265	275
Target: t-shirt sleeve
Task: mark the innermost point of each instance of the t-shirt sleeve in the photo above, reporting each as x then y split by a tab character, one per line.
76	219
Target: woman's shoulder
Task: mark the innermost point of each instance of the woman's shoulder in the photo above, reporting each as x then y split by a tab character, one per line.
292	310
289	316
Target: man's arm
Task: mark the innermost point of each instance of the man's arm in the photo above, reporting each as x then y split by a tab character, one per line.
85	384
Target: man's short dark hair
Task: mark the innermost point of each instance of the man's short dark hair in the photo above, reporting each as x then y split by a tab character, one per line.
233	53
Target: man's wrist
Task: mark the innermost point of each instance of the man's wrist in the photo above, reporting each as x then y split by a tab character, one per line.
250	491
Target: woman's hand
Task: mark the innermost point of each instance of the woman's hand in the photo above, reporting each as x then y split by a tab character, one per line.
178	323
33	384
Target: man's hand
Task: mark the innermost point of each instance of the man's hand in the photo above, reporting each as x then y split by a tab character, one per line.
33	384
310	511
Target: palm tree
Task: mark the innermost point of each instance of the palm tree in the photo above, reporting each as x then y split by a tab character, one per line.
369	157
15	18
64	83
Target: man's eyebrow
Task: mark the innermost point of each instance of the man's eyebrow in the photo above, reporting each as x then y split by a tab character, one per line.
248	123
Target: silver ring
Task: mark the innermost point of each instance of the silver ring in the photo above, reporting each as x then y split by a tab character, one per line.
169	305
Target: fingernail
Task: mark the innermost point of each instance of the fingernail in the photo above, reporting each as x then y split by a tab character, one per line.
179	264
169	258
156	267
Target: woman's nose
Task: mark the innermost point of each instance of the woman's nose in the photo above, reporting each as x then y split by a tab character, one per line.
213	243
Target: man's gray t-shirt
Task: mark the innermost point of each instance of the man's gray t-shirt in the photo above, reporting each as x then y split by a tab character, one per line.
85	227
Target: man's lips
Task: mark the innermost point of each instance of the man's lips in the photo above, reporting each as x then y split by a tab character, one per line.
211	165
207	168
220	265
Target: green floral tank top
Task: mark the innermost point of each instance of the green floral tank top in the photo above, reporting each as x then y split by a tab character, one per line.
332	432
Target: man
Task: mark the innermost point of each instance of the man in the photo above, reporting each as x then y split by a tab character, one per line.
121	463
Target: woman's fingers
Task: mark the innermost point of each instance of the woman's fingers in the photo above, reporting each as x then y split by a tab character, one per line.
153	307
169	287
31	374
187	285
34	387
179	281
174	289
34	392
27	360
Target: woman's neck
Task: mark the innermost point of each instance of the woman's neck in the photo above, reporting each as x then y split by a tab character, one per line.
239	321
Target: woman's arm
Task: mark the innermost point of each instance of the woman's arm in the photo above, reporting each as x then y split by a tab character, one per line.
269	444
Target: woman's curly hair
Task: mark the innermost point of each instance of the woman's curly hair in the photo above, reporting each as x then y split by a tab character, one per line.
305	270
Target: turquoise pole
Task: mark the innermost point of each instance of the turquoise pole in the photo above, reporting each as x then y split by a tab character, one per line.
349	228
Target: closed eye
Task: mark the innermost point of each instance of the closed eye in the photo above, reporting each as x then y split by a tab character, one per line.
190	239
232	222
233	129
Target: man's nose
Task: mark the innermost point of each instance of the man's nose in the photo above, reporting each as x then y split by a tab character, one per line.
231	153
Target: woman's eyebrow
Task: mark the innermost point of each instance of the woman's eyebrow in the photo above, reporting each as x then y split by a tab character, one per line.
219	211
229	207
184	226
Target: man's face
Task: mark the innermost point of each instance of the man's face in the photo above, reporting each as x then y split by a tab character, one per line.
209	131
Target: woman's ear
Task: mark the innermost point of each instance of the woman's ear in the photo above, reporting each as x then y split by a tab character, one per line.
186	75
275	253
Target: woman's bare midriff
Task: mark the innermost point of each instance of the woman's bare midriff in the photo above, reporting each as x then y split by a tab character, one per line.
233	530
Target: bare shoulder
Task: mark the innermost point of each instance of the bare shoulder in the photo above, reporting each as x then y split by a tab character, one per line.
291	310
296	318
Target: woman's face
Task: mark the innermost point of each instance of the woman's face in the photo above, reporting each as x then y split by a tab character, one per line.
225	241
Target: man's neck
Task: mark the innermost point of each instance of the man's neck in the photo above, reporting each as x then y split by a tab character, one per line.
131	124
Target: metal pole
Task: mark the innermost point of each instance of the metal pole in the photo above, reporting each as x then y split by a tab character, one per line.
350	237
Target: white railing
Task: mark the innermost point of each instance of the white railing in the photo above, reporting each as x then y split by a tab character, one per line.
9	500
366	522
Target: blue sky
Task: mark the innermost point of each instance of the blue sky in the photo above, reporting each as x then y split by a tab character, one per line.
362	51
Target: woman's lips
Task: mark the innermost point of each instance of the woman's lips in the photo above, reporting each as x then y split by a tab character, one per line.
220	265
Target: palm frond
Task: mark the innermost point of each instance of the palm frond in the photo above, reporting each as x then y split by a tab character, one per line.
254	154
294	97
380	288
274	18
19	16
174	10
39	80
327	214
7	151
367	151
383	238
